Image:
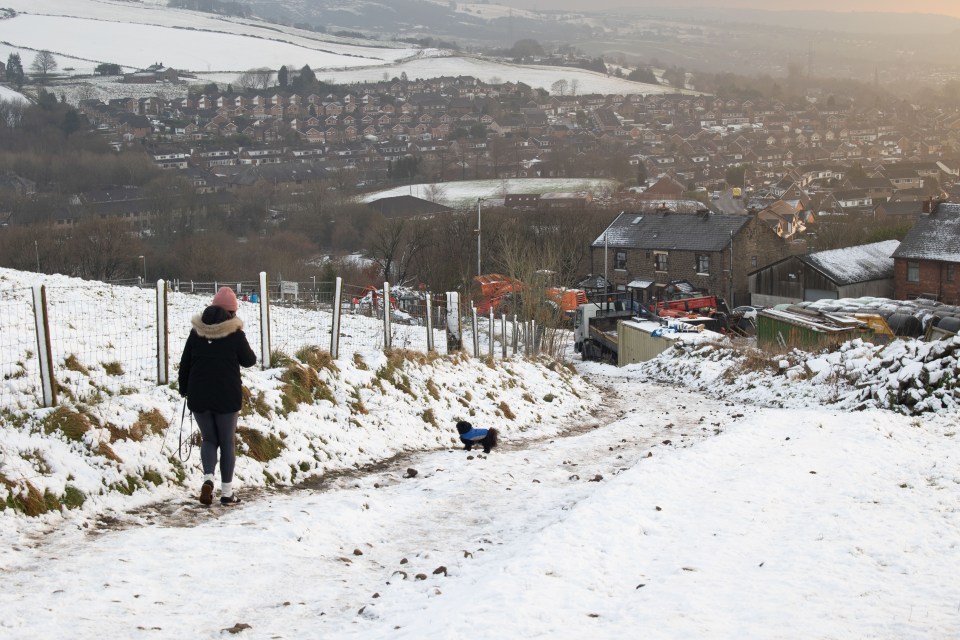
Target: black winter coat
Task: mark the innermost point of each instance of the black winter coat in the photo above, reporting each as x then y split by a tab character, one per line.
210	366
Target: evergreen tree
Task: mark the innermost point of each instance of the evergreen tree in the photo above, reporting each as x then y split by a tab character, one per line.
283	76
15	74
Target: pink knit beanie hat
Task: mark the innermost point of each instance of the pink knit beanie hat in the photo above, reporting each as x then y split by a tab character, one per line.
226	299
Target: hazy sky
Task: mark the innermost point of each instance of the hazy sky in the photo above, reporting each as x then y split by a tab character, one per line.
945	7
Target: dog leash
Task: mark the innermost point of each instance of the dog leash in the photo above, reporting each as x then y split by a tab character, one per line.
183	416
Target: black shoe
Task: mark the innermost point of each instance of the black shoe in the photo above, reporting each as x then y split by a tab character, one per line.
229	501
206	493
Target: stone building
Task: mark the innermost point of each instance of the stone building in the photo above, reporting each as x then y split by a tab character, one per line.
645	252
927	262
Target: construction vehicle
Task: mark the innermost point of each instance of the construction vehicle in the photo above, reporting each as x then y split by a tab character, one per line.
502	294
736	192
595	327
695	305
710	312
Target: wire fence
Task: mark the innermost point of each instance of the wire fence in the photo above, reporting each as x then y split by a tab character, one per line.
102	339
19	364
107	341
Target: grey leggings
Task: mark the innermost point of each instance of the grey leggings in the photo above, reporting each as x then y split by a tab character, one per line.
218	430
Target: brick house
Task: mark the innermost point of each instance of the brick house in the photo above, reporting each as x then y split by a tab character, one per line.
645	252
927	262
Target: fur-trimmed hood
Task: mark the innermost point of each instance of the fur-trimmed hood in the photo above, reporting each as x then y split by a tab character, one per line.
216	331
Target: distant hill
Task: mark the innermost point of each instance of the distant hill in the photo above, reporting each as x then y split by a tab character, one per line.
844	22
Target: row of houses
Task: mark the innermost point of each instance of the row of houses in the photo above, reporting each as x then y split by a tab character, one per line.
743	260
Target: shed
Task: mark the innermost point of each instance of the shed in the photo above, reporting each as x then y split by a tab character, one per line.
804	329
851	272
642	341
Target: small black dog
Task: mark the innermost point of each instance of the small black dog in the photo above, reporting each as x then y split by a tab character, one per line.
469	436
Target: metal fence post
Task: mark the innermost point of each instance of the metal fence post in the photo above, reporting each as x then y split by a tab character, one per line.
454	328
490	332
476	335
515	334
264	321
429	301
503	335
163	345
386	315
44	353
335	324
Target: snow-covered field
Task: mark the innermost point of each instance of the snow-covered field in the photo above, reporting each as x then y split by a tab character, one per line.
141	45
464	193
537	76
84	33
753	506
9	95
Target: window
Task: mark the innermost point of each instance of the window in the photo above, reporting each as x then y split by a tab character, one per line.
951	272
913	272
620	260
753	261
703	264
660	260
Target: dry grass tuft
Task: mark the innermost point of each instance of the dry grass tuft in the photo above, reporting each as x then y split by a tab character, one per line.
752	360
24	497
113	368
317	358
432	389
392	372
505	409
148	423
72	424
254	403
359	363
73	364
303	386
356	403
105	450
260	447
429	417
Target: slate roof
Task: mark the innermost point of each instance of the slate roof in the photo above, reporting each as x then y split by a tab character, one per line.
851	265
406	206
934	237
671	231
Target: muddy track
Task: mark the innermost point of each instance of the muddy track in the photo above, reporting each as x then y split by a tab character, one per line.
188	512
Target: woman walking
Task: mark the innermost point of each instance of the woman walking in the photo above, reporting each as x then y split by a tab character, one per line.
210	380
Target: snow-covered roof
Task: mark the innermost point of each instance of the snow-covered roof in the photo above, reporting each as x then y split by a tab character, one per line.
934	237
855	264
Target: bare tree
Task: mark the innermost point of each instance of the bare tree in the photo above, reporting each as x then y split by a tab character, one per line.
574	85
44	63
435	193
396	243
560	86
259	78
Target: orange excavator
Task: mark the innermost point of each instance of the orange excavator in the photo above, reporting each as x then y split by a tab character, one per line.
496	291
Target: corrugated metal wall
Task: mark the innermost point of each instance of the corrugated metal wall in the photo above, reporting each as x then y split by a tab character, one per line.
637	345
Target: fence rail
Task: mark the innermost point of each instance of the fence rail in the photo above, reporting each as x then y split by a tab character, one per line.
95	339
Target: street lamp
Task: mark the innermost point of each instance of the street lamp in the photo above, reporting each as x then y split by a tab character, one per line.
479	200
144	260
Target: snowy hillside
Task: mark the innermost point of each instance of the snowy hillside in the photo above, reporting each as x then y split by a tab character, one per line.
682	514
112	443
84	33
465	193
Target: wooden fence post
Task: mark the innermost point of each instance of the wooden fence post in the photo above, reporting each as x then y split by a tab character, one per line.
163	344
429	301
335	328
264	321
44	353
386	316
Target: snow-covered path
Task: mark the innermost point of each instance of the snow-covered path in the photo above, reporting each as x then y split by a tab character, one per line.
749	523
